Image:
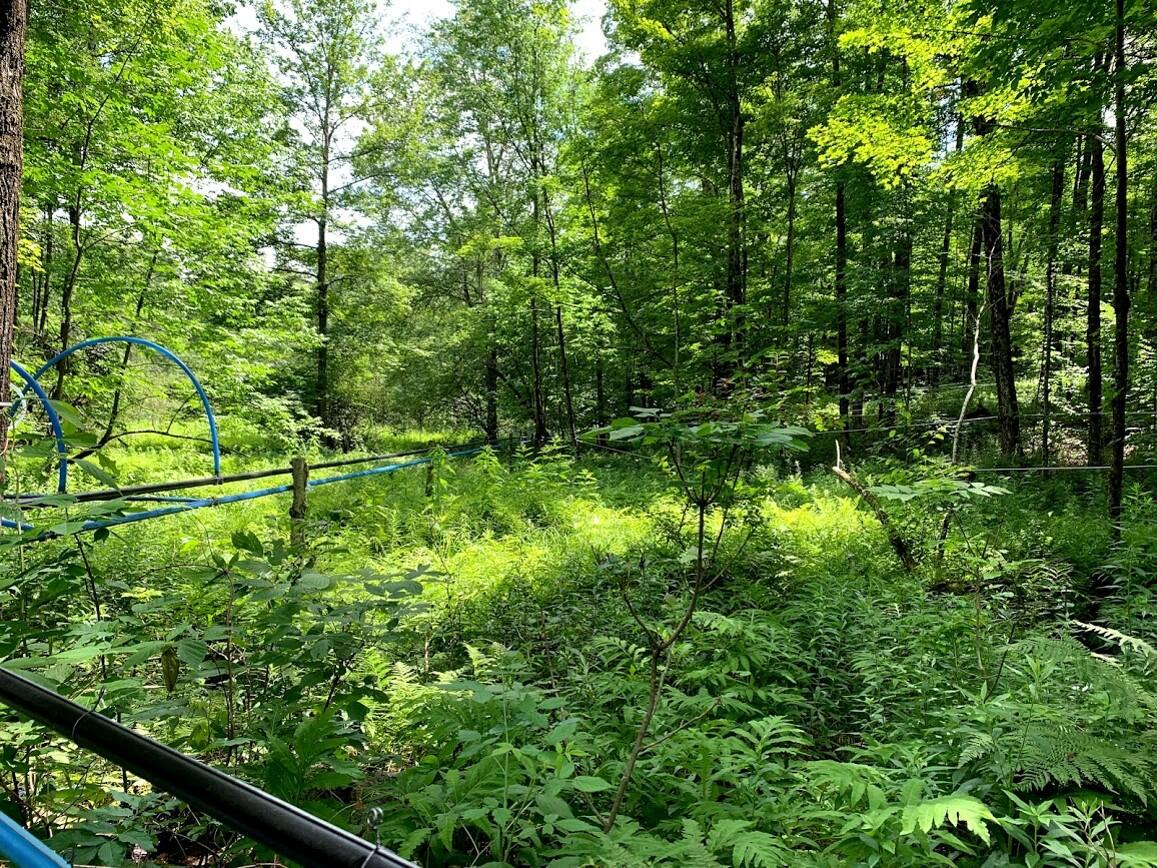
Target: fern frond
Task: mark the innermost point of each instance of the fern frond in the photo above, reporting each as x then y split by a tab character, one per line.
953	810
1122	639
724	833
759	850
981	744
1066	756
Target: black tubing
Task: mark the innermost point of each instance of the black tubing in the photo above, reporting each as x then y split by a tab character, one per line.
284	828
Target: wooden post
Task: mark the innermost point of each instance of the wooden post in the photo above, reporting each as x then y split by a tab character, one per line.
299	509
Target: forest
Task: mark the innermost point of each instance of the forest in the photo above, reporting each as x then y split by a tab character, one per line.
525	433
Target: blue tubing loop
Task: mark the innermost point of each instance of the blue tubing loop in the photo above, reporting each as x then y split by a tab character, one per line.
168	354
23	849
53	420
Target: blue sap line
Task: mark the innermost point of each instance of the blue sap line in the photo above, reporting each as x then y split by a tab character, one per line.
24	849
168	354
53	420
159	512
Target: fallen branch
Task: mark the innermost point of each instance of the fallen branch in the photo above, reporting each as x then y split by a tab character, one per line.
899	544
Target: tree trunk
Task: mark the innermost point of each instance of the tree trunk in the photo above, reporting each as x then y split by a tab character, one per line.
601	395
938	297
676	279
890	360
322	399
40	324
858	389
1058	191
1082	168
789	252
897	318
971	296
1120	284
66	293
491	386
1152	284
841	278
564	369
13	27
1000	339
736	248
845	380
1095	433
541	435
564	364
40	281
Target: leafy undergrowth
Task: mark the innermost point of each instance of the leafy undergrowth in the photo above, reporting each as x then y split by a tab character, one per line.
469	649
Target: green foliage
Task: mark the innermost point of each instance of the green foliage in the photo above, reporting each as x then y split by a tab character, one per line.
819	708
949	810
674	641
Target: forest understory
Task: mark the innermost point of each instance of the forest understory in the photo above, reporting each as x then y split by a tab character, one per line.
469	648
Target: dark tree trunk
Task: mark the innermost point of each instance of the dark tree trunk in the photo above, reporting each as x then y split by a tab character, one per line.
564	370
1000	338
13	27
68	288
841	280
126	356
736	246
40	281
1095	434
564	363
845	380
1055	204
1120	283
490	366
541	434
1152	284
1082	168
938	297
897	265
789	252
676	279
601	395
491	386
904	313
323	403
858	388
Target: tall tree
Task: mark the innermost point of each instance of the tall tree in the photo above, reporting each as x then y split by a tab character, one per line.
1056	203
844	379
1095	431
326	50
712	58
146	134
1121	300
13	29
999	309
